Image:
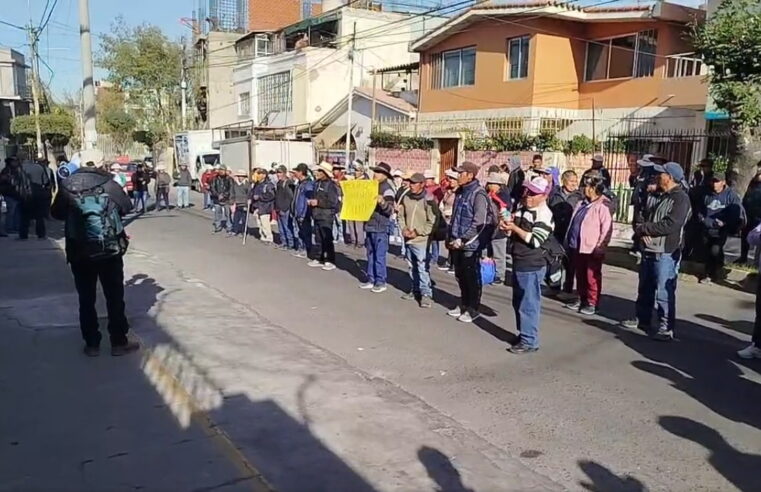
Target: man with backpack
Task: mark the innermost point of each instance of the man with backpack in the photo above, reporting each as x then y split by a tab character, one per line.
470	230
15	189
37	207
92	205
417	219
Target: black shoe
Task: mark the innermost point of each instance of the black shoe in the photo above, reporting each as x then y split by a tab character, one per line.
127	348
497	281
663	335
522	348
92	350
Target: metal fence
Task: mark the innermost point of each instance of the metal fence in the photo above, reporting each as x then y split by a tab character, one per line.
687	147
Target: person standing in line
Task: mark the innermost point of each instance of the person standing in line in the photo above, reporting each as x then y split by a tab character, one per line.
377	231
753	351
643	188
417	218
263	201
356	229
140	180
434	192
206	178
529	228
721	215
393	227
562	202
470	229
239	194
16	190
163	182
284	193
324	208
339	175
446	206
496	187
95	251
37	208
586	240
301	211
752	206
183	184
220	190
118	175
597	165
661	236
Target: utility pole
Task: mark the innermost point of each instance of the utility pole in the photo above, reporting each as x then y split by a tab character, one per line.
350	97
33	38
88	83
184	87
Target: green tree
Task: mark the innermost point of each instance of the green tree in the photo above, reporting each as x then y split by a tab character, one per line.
146	65
57	127
120	125
730	42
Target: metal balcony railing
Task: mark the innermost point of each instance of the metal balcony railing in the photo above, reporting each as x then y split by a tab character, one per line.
684	65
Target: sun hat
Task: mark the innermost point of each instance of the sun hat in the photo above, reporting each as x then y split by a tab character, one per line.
451	174
325	167
496	178
383	168
429	174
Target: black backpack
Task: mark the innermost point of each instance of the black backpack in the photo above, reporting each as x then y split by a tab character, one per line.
94	225
554	254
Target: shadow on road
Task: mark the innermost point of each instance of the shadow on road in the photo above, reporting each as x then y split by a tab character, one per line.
736	466
603	480
441	470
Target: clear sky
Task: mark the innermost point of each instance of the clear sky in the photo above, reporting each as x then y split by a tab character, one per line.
59	45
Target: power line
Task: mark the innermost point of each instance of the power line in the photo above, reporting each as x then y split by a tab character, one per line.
45	24
15	26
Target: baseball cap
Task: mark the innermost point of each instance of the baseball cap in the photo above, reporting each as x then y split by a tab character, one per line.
398	173
302	168
645	161
597	158
672	169
719	176
538	185
451	173
281	169
428	174
468	167
417	178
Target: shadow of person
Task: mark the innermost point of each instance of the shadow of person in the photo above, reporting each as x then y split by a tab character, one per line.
740	326
441	470
740	468
603	479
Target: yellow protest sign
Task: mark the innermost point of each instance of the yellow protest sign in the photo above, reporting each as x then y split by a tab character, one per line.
359	199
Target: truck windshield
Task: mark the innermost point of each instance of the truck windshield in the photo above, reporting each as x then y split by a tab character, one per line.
211	159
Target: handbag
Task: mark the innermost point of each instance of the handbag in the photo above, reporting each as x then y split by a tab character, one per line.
488	271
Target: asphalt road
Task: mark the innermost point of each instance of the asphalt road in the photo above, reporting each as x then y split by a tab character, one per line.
596	408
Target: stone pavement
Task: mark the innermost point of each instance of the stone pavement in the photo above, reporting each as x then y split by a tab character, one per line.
218	395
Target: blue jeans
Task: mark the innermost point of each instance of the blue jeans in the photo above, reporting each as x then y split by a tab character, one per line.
434	251
221	216
12	215
183	196
417	259
303	234
238	225
285	227
658	274
376	244
139	197
206	200
527	303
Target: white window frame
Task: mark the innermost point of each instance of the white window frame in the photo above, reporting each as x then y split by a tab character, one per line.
244	104
609	43
526	38
438	65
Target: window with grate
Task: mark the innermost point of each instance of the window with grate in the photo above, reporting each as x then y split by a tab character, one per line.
244	104
274	94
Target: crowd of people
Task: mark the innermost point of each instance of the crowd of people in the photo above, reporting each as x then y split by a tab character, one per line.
554	227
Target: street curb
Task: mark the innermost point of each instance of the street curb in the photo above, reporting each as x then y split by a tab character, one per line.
201	418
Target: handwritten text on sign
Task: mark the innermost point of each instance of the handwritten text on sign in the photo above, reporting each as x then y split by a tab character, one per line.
359	199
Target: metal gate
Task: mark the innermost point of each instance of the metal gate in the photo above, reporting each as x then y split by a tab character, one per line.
687	147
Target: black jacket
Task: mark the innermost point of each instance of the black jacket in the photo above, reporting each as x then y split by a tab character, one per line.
284	191
562	205
263	197
381	216
140	180
664	222
82	180
40	177
326	194
221	189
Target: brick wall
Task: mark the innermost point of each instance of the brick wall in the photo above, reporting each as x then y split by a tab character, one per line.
415	160
275	14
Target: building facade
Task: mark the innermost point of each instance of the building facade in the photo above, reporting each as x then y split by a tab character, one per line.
15	92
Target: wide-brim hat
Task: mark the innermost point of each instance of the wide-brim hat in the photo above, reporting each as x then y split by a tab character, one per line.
325	167
383	168
496	178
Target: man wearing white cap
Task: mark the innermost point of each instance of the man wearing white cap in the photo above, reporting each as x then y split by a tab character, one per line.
163	181
530	228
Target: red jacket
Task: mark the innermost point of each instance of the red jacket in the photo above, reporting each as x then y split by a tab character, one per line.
206	178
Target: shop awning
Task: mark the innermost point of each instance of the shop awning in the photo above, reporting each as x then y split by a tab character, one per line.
311	22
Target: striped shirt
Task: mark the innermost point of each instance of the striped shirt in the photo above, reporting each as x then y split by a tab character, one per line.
528	254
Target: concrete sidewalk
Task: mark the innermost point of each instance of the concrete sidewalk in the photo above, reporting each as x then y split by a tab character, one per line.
72	423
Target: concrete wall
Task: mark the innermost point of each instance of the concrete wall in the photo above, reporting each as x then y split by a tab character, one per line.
222	102
12	74
271	15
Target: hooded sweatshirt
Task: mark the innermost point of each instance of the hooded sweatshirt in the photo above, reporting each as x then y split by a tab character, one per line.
725	207
417	212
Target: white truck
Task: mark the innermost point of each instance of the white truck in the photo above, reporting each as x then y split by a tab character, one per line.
194	149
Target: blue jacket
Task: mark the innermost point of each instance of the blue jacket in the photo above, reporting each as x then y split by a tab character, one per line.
304	191
725	207
263	197
381	216
472	217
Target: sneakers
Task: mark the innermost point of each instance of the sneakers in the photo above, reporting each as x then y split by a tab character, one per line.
443	268
469	316
455	313
634	324
573	306
522	348
366	286
705	281
588	311
663	335
426	303
315	264
410	296
92	351
328	266
379	288
750	352
127	348
299	254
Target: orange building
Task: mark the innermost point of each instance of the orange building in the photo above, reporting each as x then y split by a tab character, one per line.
546	62
273	15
